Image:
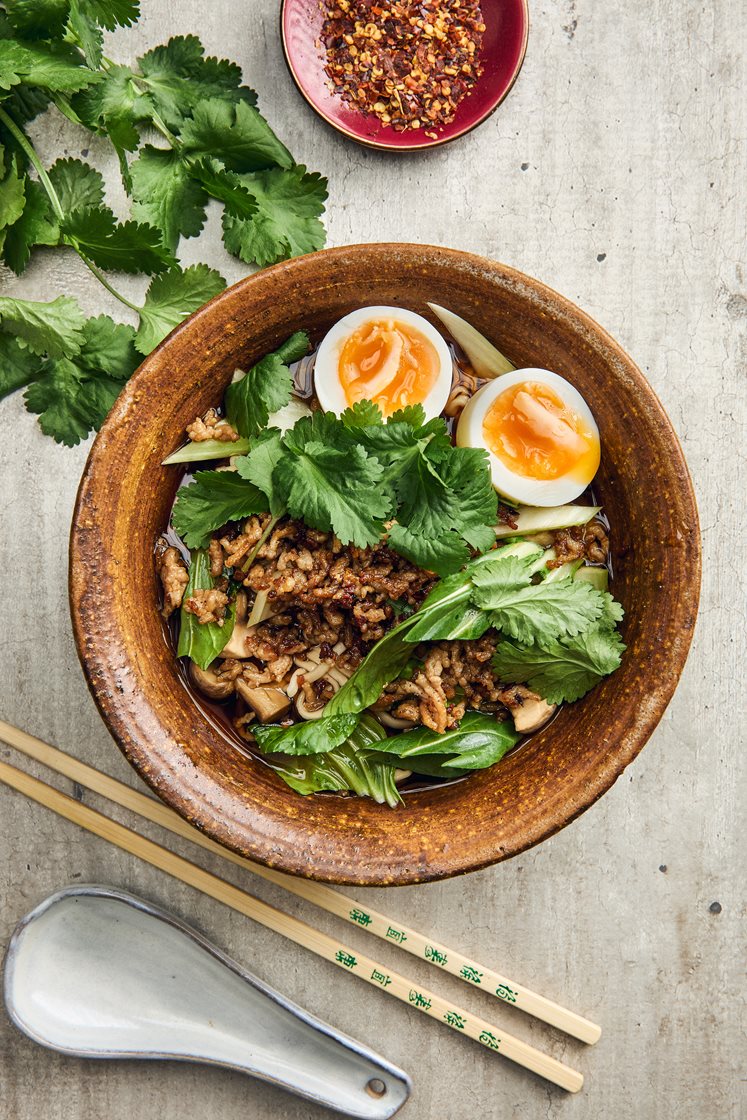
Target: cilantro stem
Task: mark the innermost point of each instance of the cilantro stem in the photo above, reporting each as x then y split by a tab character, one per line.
103	280
20	136
29	149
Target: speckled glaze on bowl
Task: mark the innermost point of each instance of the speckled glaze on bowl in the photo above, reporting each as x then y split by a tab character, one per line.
124	500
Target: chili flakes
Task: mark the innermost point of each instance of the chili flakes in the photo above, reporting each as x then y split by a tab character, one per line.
409	62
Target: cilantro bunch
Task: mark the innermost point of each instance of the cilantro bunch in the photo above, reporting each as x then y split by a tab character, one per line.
352	475
213	143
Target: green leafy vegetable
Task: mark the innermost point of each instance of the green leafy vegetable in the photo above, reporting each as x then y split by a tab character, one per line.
166	196
71	394
265	388
206	449
446	501
287	223
561	670
54	328
479	741
526	611
382	664
55	66
170	298
217	145
202	642
18	365
314	736
178	81
330	487
212	499
238	135
126	246
35	226
259	466
348	767
37	19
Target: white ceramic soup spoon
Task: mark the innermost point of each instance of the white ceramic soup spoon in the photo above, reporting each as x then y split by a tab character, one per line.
95	972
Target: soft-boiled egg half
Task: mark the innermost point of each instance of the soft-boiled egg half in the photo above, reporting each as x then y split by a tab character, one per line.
387	355
539	433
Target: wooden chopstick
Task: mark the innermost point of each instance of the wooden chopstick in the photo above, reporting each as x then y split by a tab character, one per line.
365	968
324	897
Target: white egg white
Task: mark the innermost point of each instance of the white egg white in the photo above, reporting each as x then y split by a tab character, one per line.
515	487
327	384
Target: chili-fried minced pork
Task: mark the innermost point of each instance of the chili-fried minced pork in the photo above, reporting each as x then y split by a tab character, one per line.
323	606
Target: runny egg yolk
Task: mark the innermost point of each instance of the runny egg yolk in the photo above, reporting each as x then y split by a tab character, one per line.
389	363
536	435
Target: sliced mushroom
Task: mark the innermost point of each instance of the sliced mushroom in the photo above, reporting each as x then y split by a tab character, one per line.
530	711
208	681
270	704
244	627
236	645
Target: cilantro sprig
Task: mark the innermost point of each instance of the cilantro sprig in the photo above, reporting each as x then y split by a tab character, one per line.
352	475
214	144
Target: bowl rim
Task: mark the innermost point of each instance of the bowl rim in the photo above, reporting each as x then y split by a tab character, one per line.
92	650
382	145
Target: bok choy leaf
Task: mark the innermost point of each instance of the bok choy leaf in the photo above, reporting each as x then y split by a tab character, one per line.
202	642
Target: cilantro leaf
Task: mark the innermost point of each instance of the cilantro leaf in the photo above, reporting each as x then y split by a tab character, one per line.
237	134
312	737
108	348
214	498
166	196
112	13
225	186
362	414
446	500
531	612
170	298
412	414
36	226
54	328
442	553
37	19
72	395
68	403
259	465
180	80
126	246
561	670
202	642
265	388
12	196
114	107
286	224
78	185
87	33
18	365
331	488
54	66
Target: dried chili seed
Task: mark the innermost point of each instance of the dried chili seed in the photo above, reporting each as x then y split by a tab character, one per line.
409	62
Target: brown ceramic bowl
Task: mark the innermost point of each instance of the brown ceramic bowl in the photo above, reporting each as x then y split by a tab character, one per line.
124	501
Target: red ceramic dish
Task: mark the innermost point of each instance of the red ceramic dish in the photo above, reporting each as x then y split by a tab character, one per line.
503	49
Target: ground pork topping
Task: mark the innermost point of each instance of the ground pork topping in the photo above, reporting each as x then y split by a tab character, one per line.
329	586
582	541
208	605
172	572
454	676
211	426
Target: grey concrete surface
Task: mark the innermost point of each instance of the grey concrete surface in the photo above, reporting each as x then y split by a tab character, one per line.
616	173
